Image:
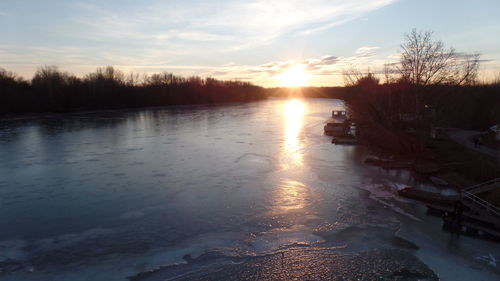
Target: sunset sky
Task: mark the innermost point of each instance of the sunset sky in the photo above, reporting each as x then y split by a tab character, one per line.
254	41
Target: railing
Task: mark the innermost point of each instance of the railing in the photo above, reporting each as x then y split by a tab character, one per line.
482	187
490	208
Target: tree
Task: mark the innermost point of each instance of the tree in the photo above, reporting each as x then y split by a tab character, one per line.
425	61
354	77
48	82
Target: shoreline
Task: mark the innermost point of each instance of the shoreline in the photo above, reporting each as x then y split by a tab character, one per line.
442	162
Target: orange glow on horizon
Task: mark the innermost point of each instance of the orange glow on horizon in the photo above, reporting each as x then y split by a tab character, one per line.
294	76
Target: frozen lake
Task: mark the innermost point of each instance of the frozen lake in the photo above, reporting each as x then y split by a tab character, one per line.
107	195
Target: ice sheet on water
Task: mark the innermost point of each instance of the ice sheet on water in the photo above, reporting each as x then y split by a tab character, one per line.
386	195
277	238
252	165
12	249
488	259
132	215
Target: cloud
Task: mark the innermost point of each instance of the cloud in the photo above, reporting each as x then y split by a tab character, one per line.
239	23
203	36
317	64
266	73
159	33
76	60
366	51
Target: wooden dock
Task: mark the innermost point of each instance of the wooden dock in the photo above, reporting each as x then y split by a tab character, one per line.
428	197
344	140
465	214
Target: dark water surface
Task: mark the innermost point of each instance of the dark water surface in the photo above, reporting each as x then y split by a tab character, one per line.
215	190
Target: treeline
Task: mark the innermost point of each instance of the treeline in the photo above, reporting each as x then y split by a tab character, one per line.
51	90
396	105
431	86
389	110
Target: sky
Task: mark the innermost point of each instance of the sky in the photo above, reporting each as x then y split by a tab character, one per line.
253	41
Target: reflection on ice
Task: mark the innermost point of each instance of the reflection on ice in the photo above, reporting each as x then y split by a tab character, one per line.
290	195
293	111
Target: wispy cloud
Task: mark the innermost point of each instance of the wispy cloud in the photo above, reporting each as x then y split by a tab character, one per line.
325	66
241	24
366	51
77	60
172	35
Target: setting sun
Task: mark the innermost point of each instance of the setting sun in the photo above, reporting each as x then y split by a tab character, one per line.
294	76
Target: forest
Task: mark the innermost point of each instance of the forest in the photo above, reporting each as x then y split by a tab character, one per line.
51	90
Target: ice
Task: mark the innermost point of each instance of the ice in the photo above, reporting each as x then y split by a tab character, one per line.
132	215
12	249
489	259
274	239
105	195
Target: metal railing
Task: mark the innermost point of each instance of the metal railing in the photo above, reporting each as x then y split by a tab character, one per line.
490	208
482	187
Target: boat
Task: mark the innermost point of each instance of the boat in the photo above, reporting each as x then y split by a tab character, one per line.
338	124
428	197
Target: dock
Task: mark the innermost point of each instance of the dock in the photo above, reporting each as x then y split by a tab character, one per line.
466	213
428	197
345	140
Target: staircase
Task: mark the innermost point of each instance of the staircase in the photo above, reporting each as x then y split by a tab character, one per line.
488	211
483	187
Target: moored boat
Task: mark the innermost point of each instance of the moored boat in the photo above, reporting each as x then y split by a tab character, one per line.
338	124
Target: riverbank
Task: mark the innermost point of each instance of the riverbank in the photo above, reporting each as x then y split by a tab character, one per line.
442	162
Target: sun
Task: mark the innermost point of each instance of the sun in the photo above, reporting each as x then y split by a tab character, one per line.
294	76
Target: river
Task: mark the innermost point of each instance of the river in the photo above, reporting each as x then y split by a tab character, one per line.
176	190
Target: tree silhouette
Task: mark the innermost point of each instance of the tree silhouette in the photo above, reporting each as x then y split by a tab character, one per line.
425	61
108	88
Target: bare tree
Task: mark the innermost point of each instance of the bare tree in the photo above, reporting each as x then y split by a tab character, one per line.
425	61
132	79
352	76
49	79
468	69
390	73
7	77
496	79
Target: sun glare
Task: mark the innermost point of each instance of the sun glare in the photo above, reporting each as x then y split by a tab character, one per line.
294	113
294	76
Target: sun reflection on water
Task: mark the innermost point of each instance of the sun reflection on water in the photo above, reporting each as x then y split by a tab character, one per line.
291	195
293	111
289	198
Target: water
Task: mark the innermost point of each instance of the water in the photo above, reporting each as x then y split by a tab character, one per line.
106	195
